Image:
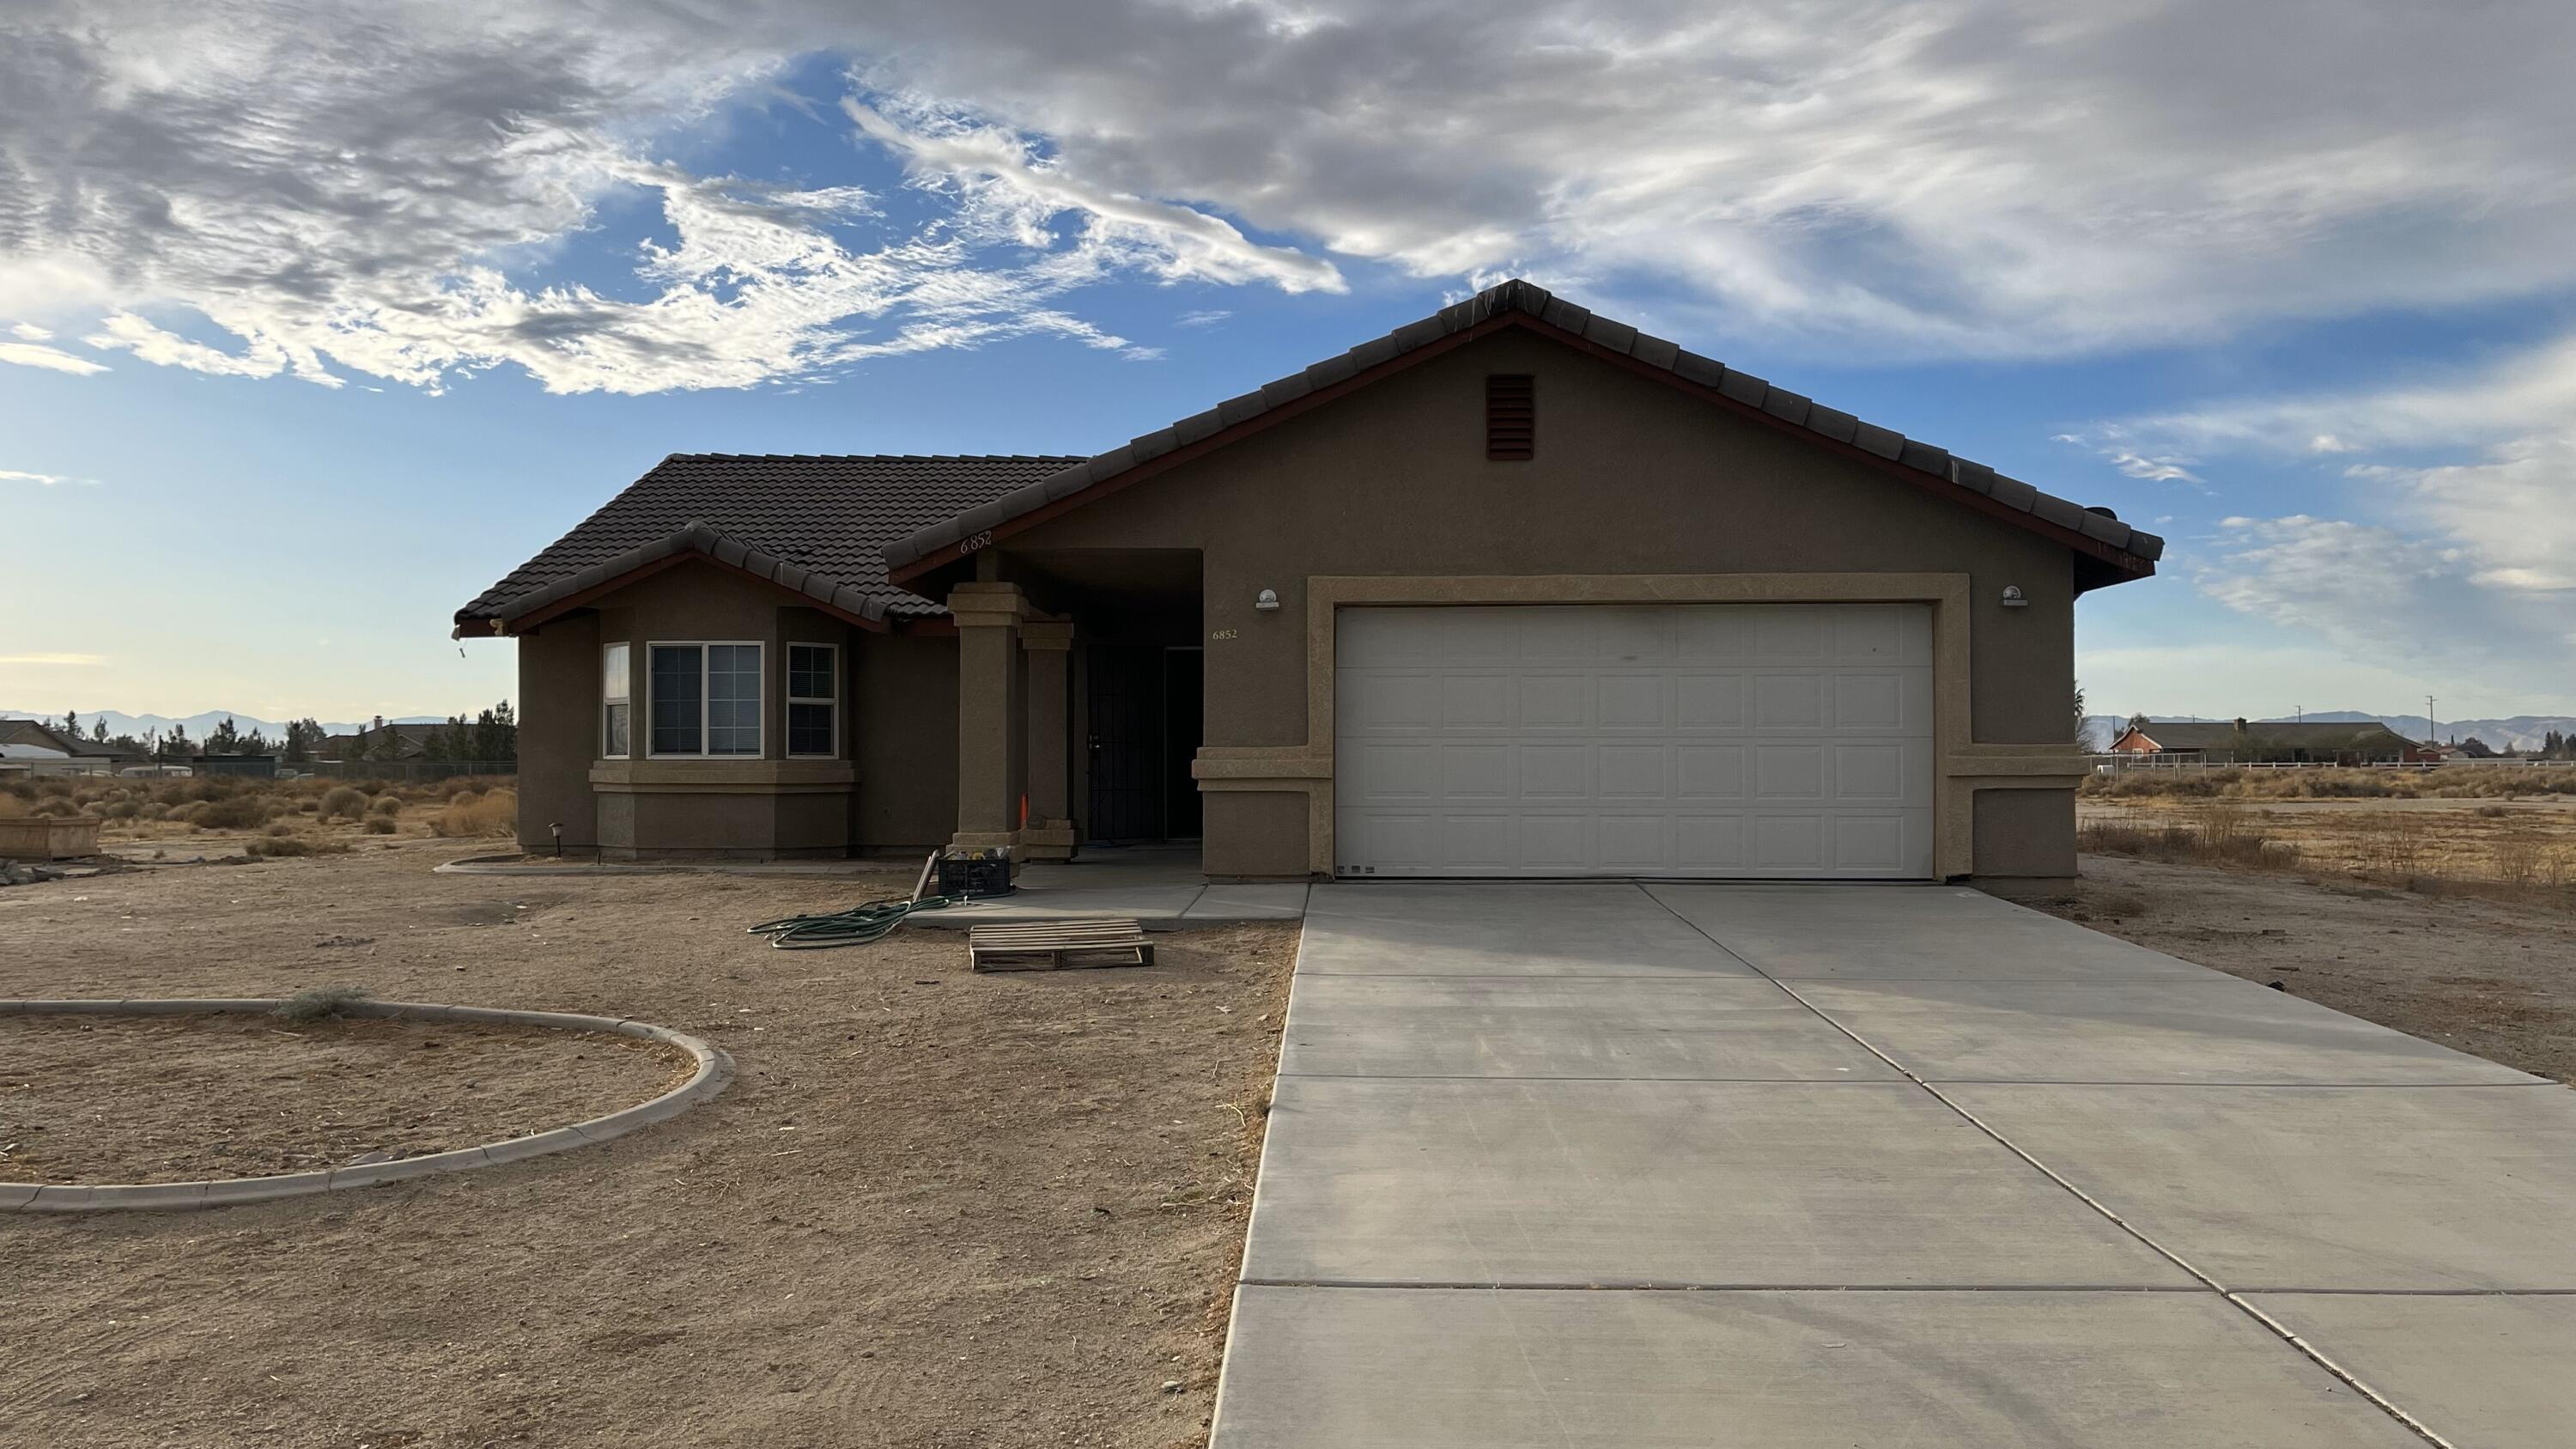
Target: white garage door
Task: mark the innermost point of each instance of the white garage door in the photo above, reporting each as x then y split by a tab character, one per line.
1714	740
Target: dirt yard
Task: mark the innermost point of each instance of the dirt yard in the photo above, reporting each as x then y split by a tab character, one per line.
934	1209
109	1099
2492	979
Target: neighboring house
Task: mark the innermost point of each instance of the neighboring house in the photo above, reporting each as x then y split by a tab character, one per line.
261	766
381	741
1513	590
2242	742
58	751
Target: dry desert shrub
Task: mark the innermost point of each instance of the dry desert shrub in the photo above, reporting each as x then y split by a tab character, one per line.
470	814
343	801
2218	833
231	812
2392	846
380	825
387	804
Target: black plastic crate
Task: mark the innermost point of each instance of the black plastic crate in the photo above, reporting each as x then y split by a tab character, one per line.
984	873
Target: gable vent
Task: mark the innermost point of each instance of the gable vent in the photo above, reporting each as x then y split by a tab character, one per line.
1511	417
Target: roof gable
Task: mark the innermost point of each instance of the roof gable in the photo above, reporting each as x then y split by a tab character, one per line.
814	526
2115	551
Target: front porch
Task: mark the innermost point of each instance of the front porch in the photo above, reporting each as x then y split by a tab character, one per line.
1081	691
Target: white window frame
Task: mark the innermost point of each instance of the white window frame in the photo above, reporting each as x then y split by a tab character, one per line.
625	696
759	697
787	720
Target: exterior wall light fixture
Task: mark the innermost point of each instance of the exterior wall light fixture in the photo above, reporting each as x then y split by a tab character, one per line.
1267	601
2013	597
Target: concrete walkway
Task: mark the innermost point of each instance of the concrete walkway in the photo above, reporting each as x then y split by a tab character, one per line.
1791	1167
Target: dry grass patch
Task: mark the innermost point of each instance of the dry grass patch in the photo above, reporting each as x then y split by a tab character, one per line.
477	814
2458	782
2525	853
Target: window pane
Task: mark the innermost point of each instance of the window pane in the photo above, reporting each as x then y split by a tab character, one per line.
733	699
809	671
675	699
614	680
617	742
809	729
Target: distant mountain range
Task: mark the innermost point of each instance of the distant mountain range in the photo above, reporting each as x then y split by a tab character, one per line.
2521	732
200	725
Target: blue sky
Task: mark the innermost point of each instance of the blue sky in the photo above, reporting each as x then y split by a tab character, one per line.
311	326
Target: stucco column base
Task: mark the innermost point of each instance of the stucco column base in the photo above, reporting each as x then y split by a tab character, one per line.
1047	840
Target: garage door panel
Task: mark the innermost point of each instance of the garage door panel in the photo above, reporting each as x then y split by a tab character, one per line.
1869	842
1554	844
1790	843
1789	701
1635	772
1477	841
1635	702
1704	740
1788	772
1709	701
1556	772
1472	772
1635	843
1477	702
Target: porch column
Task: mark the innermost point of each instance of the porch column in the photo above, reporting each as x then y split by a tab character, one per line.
1047	649
989	723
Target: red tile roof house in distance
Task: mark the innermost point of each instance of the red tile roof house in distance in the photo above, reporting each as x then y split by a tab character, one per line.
1511	591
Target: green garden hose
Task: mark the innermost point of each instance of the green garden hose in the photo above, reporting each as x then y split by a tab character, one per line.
854	927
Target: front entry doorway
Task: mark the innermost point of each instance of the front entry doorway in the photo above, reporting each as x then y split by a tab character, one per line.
1142	731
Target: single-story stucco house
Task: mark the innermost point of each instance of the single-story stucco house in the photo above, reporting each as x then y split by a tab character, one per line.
2330	742
1514	590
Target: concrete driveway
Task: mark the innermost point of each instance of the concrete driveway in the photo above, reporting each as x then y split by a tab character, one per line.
1791	1167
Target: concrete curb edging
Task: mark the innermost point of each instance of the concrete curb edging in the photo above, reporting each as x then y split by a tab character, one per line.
714	1071
515	864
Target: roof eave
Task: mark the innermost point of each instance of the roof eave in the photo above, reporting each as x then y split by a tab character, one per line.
696	542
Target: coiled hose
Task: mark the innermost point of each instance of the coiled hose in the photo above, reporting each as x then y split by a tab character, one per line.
854	927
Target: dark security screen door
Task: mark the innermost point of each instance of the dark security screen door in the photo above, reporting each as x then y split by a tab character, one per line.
1126	739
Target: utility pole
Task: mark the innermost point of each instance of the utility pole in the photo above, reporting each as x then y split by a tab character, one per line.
2298	714
2430	733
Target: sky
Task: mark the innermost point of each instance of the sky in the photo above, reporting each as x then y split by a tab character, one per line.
317	319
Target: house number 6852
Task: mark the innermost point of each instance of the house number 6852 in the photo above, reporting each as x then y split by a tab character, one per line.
1227	634
974	541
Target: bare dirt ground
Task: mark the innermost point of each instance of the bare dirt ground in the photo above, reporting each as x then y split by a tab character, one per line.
934	1208
2495	980
108	1099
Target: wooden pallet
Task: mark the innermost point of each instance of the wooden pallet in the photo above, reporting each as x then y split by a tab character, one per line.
1058	945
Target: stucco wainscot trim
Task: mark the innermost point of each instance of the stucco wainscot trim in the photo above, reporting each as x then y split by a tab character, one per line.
723	777
1965	765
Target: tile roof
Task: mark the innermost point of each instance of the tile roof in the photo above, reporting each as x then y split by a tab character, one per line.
1537	303
816	525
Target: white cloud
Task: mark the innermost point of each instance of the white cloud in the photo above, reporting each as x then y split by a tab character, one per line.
30	332
28	354
78	661
385	190
43	480
1202	317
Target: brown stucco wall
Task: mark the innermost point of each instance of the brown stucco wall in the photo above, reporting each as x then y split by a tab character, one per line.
1630	478
907	742
558	733
2025	832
